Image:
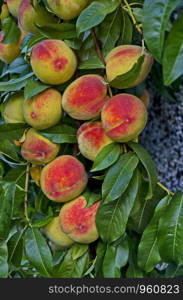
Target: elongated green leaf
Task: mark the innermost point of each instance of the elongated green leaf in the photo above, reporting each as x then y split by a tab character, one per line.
91	63
33	88
148	253
156	15
119	176
94	14
106	157
91	197
127	80
10	31
78	250
58	31
133	270
15	248
15	84
38	252
173	54
18	66
7	191
148	164
112	217
3	260
126	29
170	237
12	131
100	254
9	149
60	134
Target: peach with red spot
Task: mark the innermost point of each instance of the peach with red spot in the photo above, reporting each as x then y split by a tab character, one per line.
53	61
121	60
63	179
78	221
43	110
91	139
84	98
38	149
124	116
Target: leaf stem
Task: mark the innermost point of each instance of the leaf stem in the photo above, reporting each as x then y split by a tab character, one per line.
130	11
26	193
170	193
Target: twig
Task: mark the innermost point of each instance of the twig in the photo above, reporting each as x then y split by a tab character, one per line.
170	193
132	16
26	193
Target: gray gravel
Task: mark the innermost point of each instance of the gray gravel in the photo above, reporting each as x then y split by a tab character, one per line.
163	137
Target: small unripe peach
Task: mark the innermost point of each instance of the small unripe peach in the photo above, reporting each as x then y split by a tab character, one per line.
124	116
63	179
38	149
13	6
10	51
13	109
91	139
54	233
121	60
53	61
78	221
84	98
43	110
67	9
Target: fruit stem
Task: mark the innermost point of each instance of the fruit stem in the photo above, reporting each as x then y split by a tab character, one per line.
170	193
101	57
132	16
26	193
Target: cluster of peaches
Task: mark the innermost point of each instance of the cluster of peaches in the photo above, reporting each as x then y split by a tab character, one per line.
102	120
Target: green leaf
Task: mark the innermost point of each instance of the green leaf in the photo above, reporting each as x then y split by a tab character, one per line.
10	31
58	31
149	166
91	63
60	134
12	131
126	29
112	217
9	149
78	250
148	253
18	66
126	80
15	84
155	19
118	177
109	31
7	191
170	237
100	254
38	252
138	13
173	54
33	88
94	14
106	157
91	197
133	270
15	248
3	260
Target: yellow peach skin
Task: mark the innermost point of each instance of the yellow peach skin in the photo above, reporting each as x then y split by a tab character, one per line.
13	6
13	109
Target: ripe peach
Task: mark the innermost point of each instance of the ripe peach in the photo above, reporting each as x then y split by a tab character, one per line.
83	99
10	51
67	9
122	58
124	116
38	149
145	98
13	109
13	6
78	222
43	110
54	233
63	179
29	15
91	139
53	61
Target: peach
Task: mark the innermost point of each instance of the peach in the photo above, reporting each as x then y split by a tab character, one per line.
67	9
10	51
38	149
29	15
124	116
54	233
91	139
13	109
53	61
78	221
145	97
13	6
63	179
84	98
121	60
43	110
